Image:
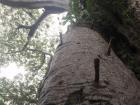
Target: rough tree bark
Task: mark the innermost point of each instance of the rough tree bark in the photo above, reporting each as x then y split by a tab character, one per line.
35	4
71	78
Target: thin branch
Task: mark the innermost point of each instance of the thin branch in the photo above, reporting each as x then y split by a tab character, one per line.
44	57
35	50
108	53
41	84
96	67
42	62
29	13
32	29
23	26
34	26
6	44
25	48
13	52
61	39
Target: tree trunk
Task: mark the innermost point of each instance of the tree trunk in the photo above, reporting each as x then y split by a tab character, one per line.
72	79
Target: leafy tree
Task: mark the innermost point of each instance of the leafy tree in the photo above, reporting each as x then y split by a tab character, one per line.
34	57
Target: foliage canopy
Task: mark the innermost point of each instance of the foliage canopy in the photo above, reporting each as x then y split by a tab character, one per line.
34	58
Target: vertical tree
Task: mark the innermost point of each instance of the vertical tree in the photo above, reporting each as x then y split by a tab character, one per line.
84	69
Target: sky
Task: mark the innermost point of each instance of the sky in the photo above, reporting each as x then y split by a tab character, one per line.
11	71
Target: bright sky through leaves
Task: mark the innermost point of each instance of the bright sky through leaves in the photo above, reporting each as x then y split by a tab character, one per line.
11	71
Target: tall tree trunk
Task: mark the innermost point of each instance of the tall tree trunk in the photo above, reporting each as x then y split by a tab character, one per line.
72	79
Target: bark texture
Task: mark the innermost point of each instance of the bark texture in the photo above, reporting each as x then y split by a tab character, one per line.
34	4
136	4
133	31
71	78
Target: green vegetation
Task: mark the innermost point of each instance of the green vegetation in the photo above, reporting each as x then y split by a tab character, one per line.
18	92
102	12
12	41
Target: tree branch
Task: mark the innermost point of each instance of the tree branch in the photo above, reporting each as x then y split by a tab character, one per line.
35	50
38	67
29	14
26	48
13	52
34	26
97	72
